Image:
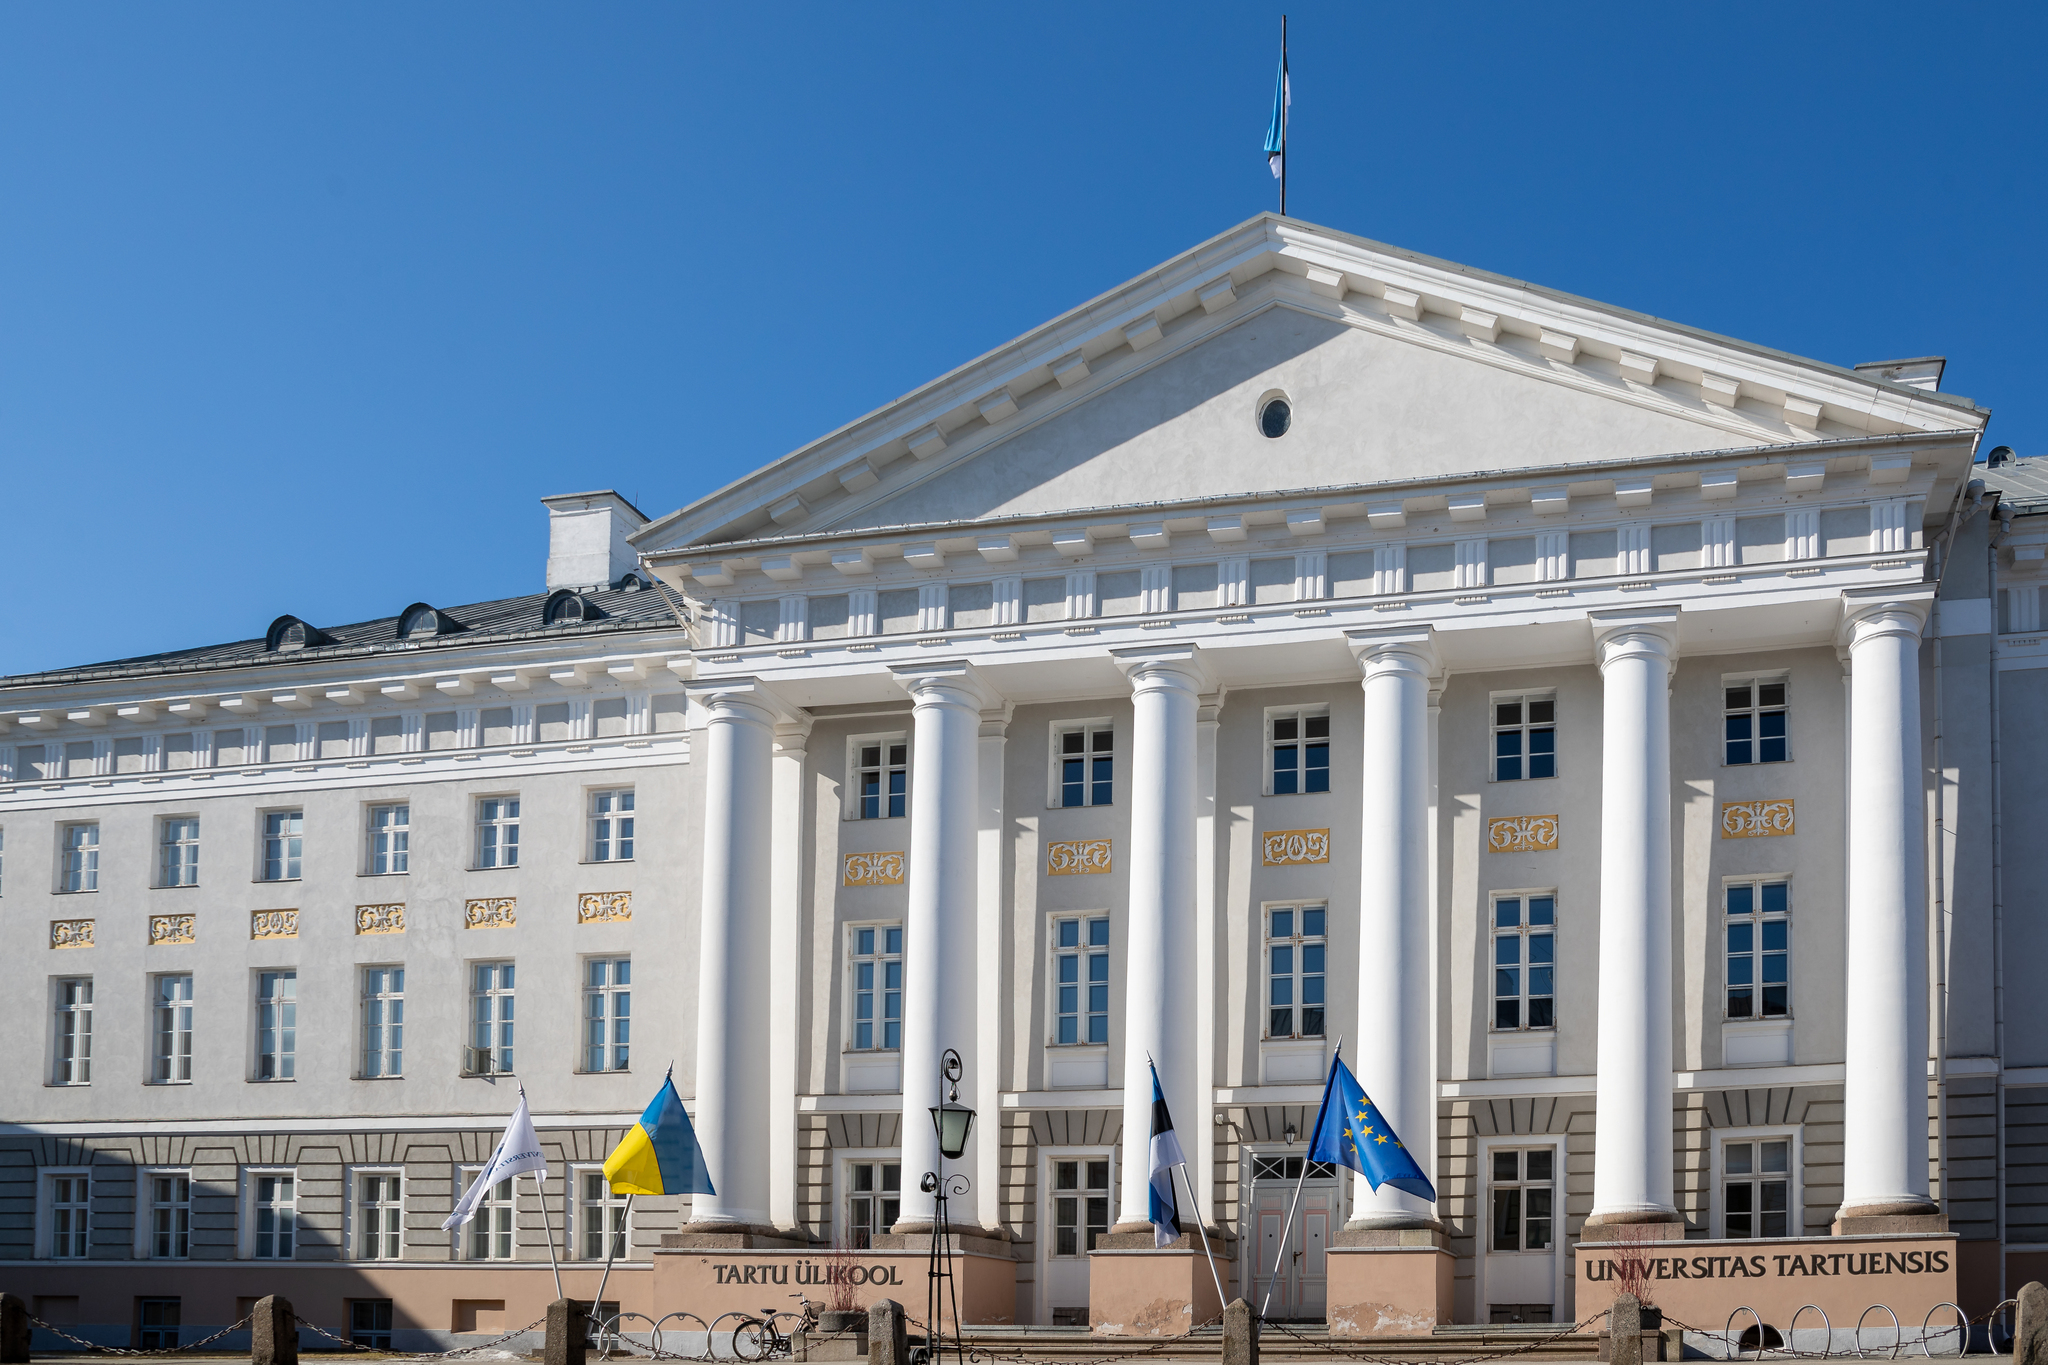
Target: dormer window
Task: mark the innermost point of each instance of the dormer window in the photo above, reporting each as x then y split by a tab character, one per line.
288	633
420	621
564	607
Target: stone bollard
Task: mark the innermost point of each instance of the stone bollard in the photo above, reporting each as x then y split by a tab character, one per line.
273	1332
888	1334
1624	1331
14	1330
2029	1333
568	1329
1240	1334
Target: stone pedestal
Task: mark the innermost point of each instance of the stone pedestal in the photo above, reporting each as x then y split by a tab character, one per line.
1137	1289
734	1238
14	1330
1890	1225
273	1332
1388	1282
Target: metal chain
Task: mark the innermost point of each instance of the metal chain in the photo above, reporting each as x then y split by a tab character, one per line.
350	1345
982	1353
136	1350
1523	1349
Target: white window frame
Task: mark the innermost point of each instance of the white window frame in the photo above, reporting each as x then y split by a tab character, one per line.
465	1235
609	990
85	878
852	806
252	1178
608	831
1302	715
157	1057
608	1202
881	960
398	860
357	1205
146	1211
1780	678
844	1159
487	1034
1298	940
1560	1244
290	843
1757	919
1525	729
1795	1222
177	858
46	1210
370	1000
1083	952
1523	965
1052	1156
497	832
1090	728
59	1011
1535	1142
281	1063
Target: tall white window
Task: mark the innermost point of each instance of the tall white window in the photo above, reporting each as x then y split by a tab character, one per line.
1759	950
874	1199
1756	718
178	852
878	986
70	1216
490	1232
383	1021
1298	750
81	858
607	1013
1085	755
1524	1186
74	1032
284	840
390	840
1080	975
1296	950
170	1215
497	831
490	1016
611	826
380	1217
171	1028
1756	1187
882	779
601	1212
1080	1205
1524	737
277	1026
1524	959
277	1217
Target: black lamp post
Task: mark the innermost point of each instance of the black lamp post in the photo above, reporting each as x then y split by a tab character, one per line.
952	1120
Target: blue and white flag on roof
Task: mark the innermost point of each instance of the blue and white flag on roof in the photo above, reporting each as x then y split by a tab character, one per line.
1276	132
1166	1154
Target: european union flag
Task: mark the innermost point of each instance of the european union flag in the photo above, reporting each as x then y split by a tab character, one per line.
1350	1131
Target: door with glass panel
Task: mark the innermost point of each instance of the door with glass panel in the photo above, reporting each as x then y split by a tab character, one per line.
1300	1290
1078	1191
1521	1233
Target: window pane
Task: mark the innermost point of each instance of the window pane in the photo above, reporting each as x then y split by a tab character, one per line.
1507	914
1776	899
1735	1159
1507	1166
1540	1164
1507	1220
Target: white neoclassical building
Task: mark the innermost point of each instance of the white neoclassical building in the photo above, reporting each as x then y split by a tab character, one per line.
1592	722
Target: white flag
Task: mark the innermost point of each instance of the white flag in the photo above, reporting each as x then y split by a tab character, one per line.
517	1153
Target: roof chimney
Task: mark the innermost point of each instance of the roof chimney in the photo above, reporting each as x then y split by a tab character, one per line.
1923	373
587	545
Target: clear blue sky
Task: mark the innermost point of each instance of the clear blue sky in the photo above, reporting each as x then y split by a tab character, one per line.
302	307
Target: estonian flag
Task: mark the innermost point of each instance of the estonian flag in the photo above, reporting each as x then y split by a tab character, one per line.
659	1154
1166	1154
1351	1131
1276	132
516	1153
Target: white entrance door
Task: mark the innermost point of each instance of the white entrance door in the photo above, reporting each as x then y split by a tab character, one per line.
1521	1235
1300	1290
1078	1189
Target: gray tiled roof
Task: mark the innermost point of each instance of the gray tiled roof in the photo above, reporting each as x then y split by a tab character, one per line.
484	622
2023	483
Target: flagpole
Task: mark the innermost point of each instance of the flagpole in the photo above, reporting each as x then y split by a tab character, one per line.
1284	101
1189	1182
541	1190
1281	1255
609	1243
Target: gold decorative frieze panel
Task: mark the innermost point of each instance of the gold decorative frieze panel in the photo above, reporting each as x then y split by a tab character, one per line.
1522	834
380	919
273	924
1755	819
1284	846
874	869
168	929
1076	857
71	933
604	907
492	912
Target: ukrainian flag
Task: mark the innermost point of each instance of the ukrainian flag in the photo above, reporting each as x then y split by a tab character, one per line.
659	1154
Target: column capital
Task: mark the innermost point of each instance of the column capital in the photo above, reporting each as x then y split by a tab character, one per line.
792	737
1150	666
1871	612
946	680
1634	633
743	698
1209	706
995	720
1405	648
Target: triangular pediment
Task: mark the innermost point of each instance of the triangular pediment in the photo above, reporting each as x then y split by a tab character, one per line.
1396	368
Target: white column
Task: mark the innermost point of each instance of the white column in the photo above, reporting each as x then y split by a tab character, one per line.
939	983
790	842
1884	1091
992	969
1198	1129
1166	686
1632	1174
1396	1003
734	1013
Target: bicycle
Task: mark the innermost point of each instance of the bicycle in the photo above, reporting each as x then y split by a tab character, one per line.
763	1337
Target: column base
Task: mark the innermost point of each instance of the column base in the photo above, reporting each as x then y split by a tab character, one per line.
1922	1222
1662	1228
969	1241
1389	1282
735	1237
1387	1222
1137	1289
